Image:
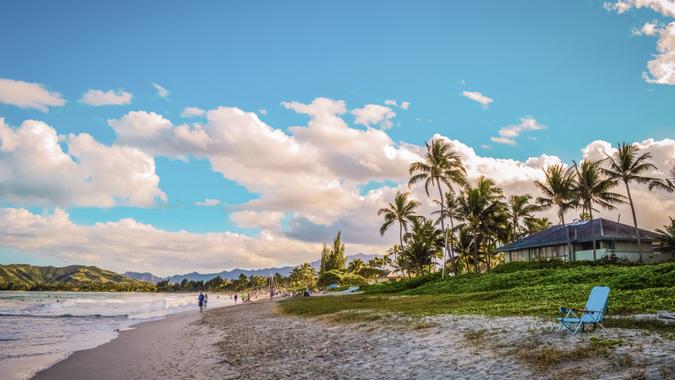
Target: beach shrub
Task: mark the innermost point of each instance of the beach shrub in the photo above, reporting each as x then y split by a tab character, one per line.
330	277
353	279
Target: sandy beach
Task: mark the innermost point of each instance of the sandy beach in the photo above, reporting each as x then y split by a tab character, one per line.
255	341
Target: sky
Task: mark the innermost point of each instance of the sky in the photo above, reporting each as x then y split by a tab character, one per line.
177	136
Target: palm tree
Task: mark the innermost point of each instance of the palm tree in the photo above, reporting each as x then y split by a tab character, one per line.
592	187
666	238
402	210
533	225
627	165
482	212
356	266
519	211
450	212
666	184
441	165
423	245
558	189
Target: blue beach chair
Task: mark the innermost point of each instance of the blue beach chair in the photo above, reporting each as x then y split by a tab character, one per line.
593	314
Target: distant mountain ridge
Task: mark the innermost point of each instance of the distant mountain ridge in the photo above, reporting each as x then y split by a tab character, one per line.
72	277
234	273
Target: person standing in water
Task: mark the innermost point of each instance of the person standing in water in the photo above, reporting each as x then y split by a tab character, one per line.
206	300
200	300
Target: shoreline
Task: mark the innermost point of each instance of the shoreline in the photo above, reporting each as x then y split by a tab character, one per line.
255	340
108	359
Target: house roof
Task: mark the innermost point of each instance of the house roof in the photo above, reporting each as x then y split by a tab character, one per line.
598	229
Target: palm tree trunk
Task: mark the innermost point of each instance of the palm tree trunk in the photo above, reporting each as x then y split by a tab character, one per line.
590	213
632	209
400	237
475	255
445	250
452	239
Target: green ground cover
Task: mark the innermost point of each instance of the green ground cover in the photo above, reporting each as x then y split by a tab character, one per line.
536	289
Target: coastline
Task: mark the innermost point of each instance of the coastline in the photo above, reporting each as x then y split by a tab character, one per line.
150	349
255	340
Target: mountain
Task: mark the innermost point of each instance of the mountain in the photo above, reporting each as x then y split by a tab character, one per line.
143	276
235	273
73	277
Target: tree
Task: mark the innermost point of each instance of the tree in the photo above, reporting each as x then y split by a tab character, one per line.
303	277
666	238
441	165
558	189
520	210
533	225
592	187
483	215
356	266
449	212
666	184
423	244
402	210
627	165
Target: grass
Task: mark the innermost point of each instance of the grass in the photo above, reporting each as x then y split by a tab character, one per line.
519	290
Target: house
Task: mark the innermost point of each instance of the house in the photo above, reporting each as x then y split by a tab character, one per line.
575	241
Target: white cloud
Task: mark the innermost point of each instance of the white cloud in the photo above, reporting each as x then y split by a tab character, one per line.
104	98
508	134
665	7
478	97
34	170
127	244
372	114
503	140
262	111
208	202
291	171
266	220
391	102
28	95
161	91
192	112
648	29
662	67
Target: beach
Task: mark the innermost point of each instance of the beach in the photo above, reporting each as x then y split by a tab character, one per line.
256	341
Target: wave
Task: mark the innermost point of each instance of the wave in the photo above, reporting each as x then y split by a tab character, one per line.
96	316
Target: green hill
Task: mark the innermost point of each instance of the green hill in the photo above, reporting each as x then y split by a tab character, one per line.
73	277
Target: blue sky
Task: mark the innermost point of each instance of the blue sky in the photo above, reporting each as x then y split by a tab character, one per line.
574	67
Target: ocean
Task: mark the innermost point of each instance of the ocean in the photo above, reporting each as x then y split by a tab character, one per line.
38	329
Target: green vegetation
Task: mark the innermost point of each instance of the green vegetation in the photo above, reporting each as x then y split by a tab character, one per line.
73	277
512	289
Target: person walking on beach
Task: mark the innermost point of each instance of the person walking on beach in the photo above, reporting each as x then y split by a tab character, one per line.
200	300
206	300
235	298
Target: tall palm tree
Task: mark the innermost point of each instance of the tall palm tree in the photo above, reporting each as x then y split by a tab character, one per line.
450	212
558	189
666	238
402	210
627	165
519	211
592	186
441	165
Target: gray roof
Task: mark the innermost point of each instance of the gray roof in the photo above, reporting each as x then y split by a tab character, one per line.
598	229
